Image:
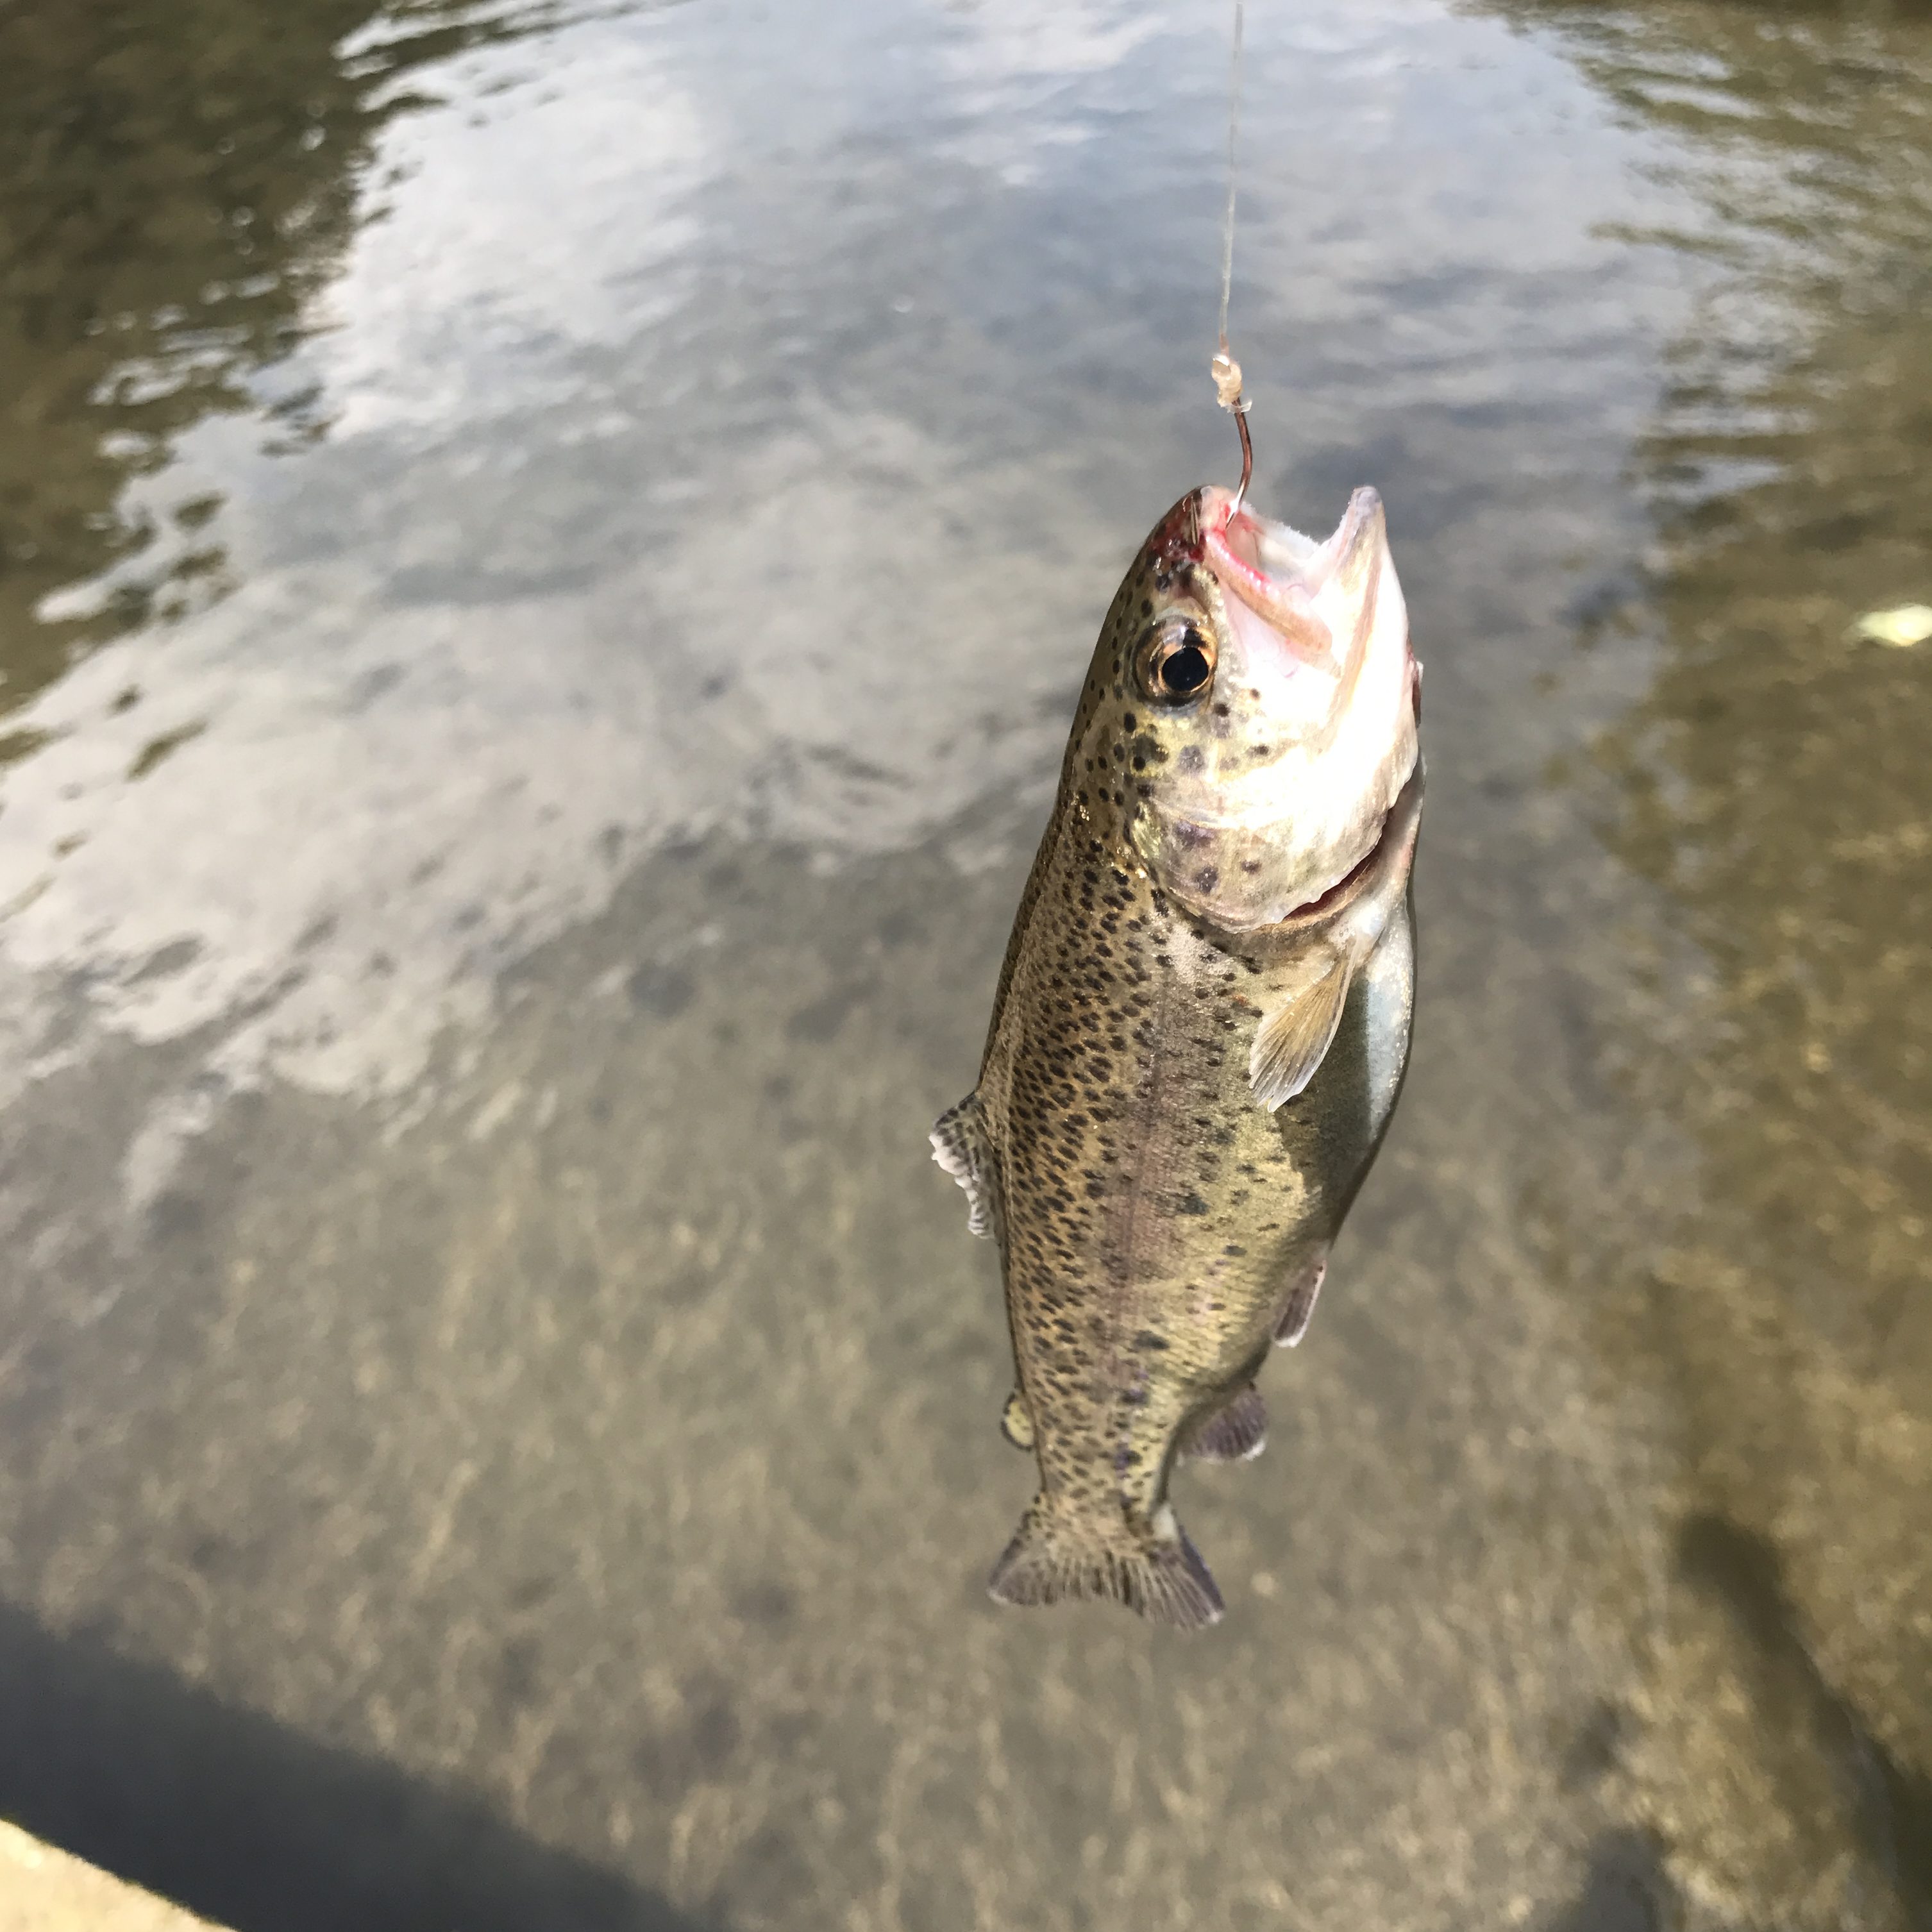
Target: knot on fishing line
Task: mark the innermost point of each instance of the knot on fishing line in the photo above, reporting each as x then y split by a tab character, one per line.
1228	382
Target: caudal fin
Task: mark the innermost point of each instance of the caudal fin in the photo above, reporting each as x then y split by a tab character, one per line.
1060	1557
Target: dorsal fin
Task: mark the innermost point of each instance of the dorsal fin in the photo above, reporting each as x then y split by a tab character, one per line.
959	1146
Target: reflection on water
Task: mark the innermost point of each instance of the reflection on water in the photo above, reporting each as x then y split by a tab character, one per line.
178	184
472	992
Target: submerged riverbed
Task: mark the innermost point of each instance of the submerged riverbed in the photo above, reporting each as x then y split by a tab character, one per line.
545	556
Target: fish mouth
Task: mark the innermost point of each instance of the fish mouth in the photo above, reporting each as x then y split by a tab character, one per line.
1278	575
1294	767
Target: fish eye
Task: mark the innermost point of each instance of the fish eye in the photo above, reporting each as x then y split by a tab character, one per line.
1178	661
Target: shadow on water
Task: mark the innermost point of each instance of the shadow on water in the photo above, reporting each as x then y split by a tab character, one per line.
258	1827
176	184
1624	1891
1892	1802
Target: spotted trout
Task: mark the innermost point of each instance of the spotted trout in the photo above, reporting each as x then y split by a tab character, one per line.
1200	1029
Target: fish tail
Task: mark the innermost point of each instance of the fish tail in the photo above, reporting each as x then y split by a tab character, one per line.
1058	1556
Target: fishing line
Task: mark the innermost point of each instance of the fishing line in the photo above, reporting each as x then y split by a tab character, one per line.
1233	158
1226	371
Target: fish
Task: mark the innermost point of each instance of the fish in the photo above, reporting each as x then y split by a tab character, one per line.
1200	1028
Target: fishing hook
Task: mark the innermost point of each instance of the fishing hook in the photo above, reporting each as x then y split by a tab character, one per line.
1228	387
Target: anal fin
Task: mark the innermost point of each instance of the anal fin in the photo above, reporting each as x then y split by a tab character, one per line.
959	1146
1237	1432
1293	1039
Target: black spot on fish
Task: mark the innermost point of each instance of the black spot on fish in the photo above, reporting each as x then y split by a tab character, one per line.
1190	1204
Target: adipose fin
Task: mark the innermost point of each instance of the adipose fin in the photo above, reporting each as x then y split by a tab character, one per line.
1015	1424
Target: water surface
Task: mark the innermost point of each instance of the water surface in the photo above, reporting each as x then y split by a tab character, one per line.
548	553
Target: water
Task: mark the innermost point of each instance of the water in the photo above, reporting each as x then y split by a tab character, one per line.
548	553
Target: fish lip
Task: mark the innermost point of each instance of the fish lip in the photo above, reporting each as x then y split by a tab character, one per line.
1283	605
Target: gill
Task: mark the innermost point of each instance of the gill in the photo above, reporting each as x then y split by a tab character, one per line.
1226	371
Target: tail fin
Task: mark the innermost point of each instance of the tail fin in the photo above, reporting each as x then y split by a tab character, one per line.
1059	1556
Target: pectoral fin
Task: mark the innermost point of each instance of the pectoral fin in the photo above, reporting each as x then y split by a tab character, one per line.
959	1146
1293	1037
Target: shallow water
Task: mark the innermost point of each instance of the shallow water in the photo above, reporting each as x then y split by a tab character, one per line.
547	555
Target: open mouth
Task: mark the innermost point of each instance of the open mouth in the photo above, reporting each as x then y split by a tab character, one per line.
1277	574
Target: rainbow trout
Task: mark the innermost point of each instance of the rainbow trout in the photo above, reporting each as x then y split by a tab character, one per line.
1201	1028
